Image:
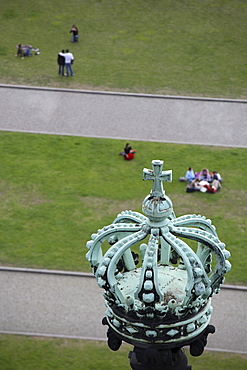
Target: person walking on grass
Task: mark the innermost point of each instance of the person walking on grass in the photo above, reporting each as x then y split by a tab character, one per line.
69	59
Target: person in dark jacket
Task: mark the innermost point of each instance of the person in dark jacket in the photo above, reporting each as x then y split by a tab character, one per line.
74	30
61	62
128	153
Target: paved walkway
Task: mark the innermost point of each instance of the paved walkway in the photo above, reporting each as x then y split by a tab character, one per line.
72	305
124	116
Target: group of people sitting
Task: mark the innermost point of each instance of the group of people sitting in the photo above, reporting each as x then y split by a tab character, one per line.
203	181
128	153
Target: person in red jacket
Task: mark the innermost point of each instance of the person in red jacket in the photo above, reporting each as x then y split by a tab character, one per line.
128	153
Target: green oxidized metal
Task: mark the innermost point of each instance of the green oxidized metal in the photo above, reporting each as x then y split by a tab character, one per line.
165	298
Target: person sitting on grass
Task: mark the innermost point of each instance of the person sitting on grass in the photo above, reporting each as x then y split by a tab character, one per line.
190	176
198	184
204	186
128	153
205	175
216	176
213	187
23	51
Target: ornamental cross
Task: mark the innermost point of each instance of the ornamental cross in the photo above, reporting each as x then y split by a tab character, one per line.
157	175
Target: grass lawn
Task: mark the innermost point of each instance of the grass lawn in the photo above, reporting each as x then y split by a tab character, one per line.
157	46
27	353
55	191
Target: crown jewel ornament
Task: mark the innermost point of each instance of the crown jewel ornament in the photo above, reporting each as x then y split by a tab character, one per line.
157	289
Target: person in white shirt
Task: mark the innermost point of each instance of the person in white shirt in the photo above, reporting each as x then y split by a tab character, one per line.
69	59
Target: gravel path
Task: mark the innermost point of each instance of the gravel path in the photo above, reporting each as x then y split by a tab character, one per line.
72	305
124	116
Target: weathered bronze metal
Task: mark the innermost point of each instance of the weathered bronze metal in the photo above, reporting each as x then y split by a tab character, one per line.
160	295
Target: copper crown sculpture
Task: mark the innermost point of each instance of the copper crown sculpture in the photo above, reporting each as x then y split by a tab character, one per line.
164	300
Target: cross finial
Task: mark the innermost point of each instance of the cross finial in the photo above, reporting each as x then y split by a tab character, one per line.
157	175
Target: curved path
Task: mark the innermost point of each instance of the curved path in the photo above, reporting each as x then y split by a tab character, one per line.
71	305
160	118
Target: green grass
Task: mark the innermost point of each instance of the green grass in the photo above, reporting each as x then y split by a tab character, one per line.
55	191
27	353
159	46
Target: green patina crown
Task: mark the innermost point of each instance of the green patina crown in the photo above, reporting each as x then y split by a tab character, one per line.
157	288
